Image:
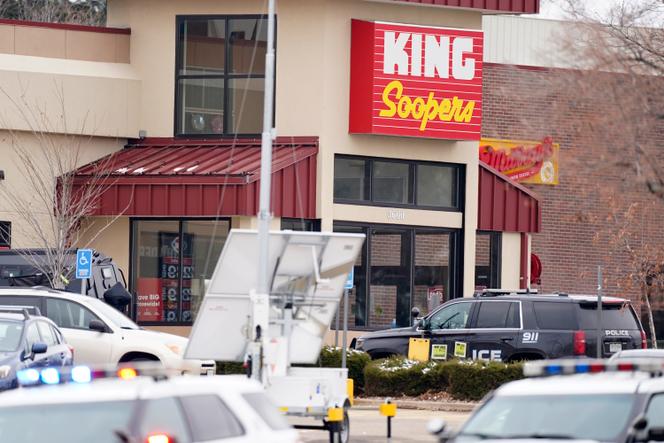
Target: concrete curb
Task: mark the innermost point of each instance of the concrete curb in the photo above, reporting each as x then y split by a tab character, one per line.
446	406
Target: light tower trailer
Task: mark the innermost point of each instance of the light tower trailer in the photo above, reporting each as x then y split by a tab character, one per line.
308	271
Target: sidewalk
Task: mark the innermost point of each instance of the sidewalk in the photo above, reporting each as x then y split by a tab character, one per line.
413	403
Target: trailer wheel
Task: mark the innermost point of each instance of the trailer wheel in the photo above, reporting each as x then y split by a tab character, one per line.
344	432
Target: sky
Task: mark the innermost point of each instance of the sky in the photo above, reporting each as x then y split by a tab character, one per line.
551	9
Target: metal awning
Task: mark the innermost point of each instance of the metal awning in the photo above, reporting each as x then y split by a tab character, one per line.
198	178
505	205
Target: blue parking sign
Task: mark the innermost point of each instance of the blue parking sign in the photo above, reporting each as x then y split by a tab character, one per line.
84	263
350	278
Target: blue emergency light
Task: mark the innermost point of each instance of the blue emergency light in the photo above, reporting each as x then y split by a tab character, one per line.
567	367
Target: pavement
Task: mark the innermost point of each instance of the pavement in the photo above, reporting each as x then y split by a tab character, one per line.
368	426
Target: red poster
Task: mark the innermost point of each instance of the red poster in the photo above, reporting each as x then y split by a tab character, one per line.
415	81
149	300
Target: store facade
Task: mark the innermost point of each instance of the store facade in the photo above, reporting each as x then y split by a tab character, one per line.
389	150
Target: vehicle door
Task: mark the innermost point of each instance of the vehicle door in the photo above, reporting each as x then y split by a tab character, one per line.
494	330
73	319
654	414
56	353
32	336
211	420
448	329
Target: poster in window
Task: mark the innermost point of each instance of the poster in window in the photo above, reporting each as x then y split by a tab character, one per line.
149	305
435	296
177	304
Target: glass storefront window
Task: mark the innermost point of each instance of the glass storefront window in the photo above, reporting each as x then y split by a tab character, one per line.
487	260
172	260
436	186
349	179
400	268
390	182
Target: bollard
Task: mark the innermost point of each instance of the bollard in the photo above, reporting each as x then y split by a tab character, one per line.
335	417
389	410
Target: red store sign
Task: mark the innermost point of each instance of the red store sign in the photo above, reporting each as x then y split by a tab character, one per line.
415	81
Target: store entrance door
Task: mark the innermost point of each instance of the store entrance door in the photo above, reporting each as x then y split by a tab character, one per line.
390	276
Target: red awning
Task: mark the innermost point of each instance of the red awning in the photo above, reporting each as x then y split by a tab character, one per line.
203	178
506	6
504	205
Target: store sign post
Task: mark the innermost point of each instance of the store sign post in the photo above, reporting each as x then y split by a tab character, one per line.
415	81
523	161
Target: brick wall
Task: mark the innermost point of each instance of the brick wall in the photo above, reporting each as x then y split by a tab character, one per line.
597	177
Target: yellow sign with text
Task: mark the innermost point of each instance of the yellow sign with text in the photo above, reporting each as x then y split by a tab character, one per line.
523	161
418	349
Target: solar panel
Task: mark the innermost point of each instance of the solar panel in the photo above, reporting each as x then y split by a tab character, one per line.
307	269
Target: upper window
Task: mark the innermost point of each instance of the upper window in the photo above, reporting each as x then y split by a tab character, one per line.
389	182
220	75
68	314
454	316
498	314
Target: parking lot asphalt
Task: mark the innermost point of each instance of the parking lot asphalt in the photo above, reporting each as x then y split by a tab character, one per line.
366	425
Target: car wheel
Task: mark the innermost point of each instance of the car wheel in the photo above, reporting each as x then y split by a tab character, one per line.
344	433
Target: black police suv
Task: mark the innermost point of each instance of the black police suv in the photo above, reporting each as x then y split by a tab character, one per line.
28	341
515	326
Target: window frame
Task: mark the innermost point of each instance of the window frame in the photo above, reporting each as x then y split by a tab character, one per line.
80	306
226	76
458	193
133	221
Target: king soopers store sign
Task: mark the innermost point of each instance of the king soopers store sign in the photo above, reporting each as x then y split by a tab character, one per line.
415	81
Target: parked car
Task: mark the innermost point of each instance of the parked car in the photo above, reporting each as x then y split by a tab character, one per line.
78	408
514	326
100	334
28	341
594	401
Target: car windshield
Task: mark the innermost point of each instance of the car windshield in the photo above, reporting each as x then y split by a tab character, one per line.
117	317
10	335
601	417
70	422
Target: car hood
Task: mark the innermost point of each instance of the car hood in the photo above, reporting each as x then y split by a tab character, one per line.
7	358
394	332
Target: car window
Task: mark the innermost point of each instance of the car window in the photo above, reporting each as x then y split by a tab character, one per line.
496	314
454	316
113	315
655	412
210	418
32	335
267	410
163	416
46	333
614	316
68	314
10	335
555	315
58	336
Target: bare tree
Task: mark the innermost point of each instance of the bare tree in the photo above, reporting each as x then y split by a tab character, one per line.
51	204
84	12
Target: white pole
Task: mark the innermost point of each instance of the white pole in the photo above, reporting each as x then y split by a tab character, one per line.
600	335
261	312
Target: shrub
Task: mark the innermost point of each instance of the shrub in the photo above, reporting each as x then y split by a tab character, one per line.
230	367
463	380
356	361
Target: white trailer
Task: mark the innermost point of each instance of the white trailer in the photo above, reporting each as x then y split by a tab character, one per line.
308	271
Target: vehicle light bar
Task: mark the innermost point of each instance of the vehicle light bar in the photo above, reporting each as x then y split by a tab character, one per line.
85	374
546	368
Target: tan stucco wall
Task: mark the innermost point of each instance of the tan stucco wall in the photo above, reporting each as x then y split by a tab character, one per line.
16	176
47	41
510	263
109	235
99	99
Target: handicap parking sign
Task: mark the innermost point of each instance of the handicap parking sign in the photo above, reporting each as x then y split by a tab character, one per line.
349	279
84	263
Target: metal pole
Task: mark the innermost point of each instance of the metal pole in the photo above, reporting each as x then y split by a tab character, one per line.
344	341
262	295
336	330
599	312
84	282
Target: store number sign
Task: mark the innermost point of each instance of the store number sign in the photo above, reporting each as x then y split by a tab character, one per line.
415	81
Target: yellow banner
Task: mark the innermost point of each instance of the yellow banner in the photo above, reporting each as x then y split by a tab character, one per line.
523	161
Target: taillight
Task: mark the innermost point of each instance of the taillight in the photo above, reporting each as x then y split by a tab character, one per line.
580	343
644	340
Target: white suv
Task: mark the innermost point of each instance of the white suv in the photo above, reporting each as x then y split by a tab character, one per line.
100	334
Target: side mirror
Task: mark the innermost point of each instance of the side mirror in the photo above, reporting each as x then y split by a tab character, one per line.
39	348
97	325
415	312
438	427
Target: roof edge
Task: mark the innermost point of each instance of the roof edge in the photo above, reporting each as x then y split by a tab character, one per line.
66	26
517	185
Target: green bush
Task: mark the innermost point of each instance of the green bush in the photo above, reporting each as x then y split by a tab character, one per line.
463	380
356	361
230	367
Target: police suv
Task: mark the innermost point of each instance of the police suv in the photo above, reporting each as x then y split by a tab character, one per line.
515	326
583	400
133	404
